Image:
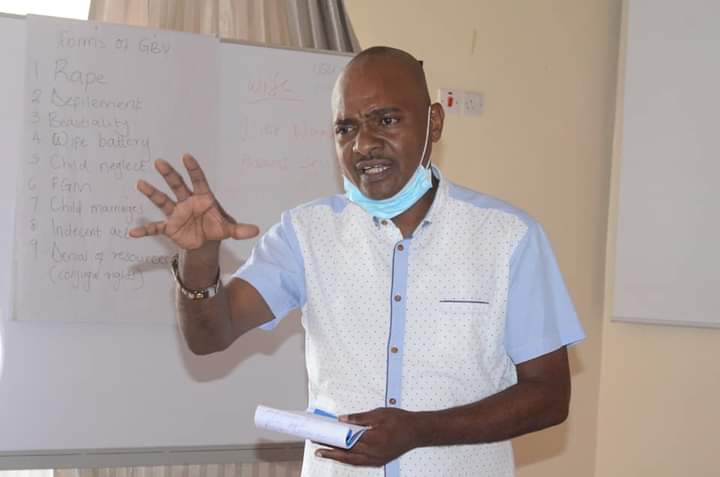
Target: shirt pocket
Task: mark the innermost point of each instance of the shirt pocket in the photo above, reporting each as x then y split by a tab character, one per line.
462	321
463	306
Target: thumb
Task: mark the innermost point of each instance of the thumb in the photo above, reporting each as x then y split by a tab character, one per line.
243	231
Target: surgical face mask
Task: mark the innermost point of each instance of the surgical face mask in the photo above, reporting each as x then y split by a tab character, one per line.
416	187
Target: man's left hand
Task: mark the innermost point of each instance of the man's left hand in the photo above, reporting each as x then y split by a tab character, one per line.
392	432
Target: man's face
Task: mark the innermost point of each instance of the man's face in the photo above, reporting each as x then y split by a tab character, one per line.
380	120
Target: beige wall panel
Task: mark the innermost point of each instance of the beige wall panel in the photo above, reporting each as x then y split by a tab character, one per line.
660	385
547	70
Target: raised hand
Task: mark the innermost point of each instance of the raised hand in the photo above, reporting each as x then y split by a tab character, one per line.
195	217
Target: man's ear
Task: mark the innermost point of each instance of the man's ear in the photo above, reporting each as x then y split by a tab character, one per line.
437	119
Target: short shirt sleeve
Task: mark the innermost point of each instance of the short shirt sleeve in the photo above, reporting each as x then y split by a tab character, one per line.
540	315
276	269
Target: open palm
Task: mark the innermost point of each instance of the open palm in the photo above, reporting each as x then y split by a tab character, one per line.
196	217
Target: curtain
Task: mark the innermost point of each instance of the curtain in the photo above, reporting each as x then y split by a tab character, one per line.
321	24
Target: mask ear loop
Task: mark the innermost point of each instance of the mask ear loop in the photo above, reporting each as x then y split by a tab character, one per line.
427	137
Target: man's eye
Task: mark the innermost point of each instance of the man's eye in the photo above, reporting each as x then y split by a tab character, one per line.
388	121
342	130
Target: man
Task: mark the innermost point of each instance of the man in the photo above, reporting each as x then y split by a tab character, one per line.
433	314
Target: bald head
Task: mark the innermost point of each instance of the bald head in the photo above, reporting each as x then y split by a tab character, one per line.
384	64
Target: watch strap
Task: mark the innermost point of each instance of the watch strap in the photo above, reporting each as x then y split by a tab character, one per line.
201	294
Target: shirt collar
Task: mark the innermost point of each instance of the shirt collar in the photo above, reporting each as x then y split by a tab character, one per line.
440	197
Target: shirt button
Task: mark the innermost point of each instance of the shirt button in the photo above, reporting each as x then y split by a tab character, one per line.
400	247
394	349
392	401
398	298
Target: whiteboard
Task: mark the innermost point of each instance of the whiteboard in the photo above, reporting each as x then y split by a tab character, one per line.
69	388
101	104
667	259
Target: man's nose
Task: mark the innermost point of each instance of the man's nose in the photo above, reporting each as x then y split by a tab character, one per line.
366	142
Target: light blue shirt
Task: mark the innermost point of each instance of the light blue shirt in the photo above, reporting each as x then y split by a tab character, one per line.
429	322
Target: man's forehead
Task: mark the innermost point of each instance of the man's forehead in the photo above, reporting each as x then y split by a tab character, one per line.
387	83
378	71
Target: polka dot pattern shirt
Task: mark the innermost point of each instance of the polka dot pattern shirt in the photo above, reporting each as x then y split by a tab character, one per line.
424	323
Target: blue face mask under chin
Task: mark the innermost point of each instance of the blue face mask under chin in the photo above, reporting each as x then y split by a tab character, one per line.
416	187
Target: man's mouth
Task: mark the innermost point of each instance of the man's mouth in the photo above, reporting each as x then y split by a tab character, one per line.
372	170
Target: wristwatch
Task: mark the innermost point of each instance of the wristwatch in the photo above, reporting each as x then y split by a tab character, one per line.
201	294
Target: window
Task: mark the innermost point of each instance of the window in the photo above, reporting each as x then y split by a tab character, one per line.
27	473
67	8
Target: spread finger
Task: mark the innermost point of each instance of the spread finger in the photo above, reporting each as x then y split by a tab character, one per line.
173	179
151	228
197	176
158	198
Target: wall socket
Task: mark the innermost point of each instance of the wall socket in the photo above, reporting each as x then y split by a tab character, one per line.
472	103
450	100
456	101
